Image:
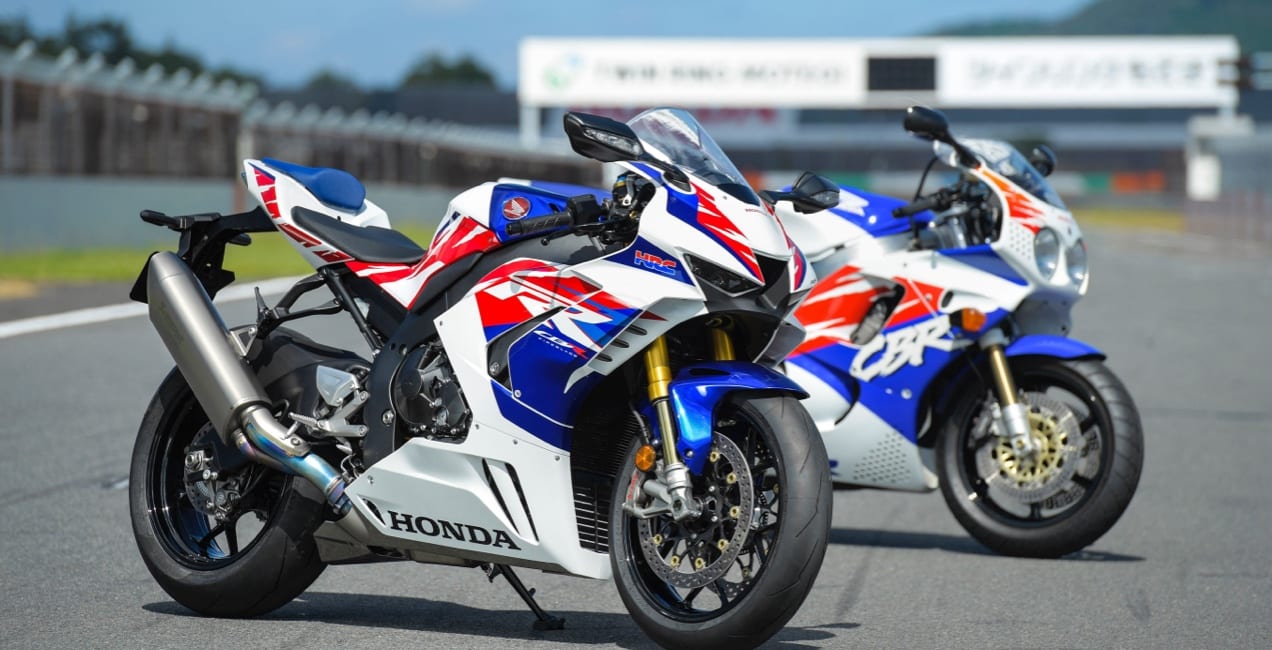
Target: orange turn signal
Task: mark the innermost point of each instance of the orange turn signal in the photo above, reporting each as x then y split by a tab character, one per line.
645	458
969	320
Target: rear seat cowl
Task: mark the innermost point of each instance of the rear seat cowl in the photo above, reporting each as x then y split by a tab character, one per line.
335	187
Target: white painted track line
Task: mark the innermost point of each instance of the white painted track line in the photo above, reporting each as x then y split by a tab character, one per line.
128	309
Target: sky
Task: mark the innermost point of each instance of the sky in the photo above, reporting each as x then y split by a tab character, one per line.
376	41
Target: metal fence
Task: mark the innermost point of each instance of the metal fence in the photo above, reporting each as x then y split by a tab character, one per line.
81	116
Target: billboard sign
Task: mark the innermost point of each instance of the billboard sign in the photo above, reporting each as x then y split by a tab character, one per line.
1130	72
691	72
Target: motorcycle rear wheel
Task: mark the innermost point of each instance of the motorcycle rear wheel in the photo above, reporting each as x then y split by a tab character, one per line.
1093	463
780	557
258	557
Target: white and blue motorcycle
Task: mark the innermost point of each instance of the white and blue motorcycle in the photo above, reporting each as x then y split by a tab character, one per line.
556	383
938	351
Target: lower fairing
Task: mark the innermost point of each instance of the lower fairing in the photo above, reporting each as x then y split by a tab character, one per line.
491	498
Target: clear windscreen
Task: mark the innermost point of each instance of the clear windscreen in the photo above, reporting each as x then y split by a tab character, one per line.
1008	162
673	136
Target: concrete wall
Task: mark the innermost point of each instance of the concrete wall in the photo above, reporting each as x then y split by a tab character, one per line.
68	212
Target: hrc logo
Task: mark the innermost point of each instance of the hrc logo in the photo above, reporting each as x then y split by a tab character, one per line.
649	260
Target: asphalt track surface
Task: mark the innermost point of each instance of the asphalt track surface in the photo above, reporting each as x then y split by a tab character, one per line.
1184	324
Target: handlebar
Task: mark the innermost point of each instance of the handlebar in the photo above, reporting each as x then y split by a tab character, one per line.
530	225
579	211
941	199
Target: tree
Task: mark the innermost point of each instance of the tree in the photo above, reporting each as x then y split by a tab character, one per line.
328	80
432	69
108	36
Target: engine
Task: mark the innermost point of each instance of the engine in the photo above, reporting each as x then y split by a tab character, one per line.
427	397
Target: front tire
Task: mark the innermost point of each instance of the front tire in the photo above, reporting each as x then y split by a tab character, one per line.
777	560
258	556
1081	483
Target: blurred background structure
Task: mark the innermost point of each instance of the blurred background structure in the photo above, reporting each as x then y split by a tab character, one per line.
93	126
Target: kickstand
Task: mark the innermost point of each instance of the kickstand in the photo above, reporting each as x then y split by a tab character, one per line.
545	620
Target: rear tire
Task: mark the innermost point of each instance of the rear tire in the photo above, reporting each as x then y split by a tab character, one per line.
1018	514
789	469
217	574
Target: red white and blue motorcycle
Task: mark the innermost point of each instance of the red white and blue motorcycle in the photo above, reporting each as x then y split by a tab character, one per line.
937	351
555	383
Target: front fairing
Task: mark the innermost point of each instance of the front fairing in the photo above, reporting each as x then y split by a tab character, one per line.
713	226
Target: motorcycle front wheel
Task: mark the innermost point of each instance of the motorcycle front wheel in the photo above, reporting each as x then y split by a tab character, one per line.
734	576
1069	494
222	536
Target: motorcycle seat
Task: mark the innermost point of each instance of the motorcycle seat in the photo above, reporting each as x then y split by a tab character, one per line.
335	187
362	243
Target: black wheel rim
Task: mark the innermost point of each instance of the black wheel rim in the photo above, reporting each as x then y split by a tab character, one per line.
705	603
191	537
1095	428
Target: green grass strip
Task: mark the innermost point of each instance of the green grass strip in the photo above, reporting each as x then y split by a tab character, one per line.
1130	219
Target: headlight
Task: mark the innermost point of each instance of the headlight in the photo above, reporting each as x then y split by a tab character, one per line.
1075	257
722	279
1047	252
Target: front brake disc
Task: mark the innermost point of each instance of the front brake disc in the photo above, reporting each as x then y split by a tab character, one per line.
1033	479
698	552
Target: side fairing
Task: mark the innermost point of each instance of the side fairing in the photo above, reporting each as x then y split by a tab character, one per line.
889	371
540	335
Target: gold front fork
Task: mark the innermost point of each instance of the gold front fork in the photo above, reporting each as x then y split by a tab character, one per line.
722	344
1002	375
1015	414
658	368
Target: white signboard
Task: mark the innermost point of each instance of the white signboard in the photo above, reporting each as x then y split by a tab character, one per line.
1128	72
697	72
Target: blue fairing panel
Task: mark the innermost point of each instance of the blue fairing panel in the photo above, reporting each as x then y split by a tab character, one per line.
698	388
875	216
512	202
1046	345
644	255
570	189
983	257
334	187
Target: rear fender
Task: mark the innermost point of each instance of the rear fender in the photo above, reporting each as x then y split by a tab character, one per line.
700	387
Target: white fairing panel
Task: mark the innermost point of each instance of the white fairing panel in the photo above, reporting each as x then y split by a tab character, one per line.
819	233
863	449
462	499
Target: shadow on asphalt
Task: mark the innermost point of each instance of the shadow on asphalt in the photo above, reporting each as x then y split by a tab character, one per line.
423	615
952	543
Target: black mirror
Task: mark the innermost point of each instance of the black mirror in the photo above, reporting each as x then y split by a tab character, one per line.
601	138
931	124
1043	159
811	193
927	123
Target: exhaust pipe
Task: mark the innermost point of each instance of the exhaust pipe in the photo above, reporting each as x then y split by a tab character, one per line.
225	386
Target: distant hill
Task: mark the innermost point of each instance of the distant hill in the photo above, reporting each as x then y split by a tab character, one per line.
1249	20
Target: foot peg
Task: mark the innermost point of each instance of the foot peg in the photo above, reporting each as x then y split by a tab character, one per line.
545	621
